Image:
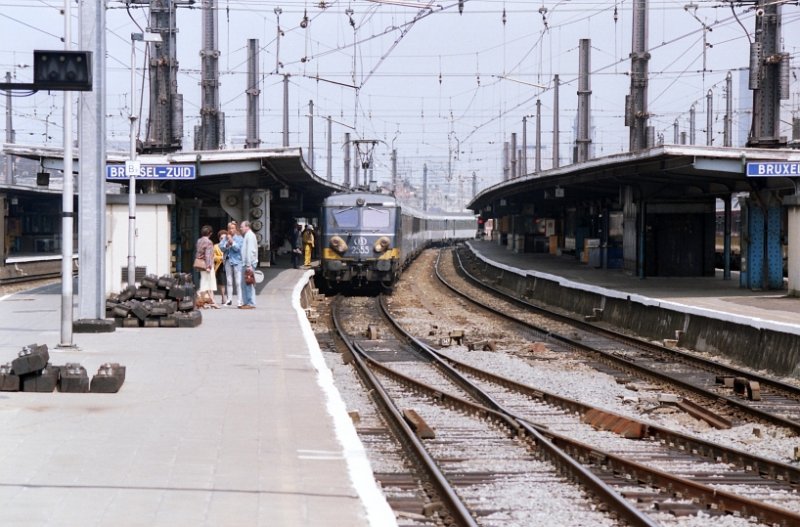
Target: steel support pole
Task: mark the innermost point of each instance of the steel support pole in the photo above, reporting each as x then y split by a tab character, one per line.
285	111
584	101
67	200
347	160
394	170
9	179
709	118
425	187
253	92
538	160
556	142
640	57
514	172
524	157
311	135
91	183
329	168
132	176
728	135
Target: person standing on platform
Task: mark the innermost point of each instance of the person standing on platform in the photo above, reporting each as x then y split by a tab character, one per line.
204	250
297	243
308	244
219	269
249	261
232	247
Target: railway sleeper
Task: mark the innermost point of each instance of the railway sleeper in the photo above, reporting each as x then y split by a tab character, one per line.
418	424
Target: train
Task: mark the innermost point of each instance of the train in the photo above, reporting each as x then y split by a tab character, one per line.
367	238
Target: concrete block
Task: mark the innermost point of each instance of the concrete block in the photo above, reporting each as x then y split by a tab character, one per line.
127	293
32	358
9	381
189	319
43	381
73	379
131	322
109	378
169	321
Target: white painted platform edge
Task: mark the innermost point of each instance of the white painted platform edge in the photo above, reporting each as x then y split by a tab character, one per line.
755	322
379	513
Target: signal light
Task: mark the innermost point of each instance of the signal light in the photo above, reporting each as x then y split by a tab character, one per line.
62	70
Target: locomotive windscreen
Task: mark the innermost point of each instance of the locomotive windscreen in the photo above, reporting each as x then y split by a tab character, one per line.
345	218
371	218
376	218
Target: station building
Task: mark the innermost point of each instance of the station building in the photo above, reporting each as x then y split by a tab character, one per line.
176	194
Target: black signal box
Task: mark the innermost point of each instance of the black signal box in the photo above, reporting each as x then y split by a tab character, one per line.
62	70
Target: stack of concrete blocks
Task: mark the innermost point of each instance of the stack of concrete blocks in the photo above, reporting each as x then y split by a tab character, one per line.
31	371
166	302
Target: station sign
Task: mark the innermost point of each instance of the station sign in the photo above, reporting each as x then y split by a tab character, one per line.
163	172
773	169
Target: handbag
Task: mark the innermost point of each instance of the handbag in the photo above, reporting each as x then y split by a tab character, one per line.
199	264
249	277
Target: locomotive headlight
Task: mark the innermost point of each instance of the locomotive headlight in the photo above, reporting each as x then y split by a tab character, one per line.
381	244
338	244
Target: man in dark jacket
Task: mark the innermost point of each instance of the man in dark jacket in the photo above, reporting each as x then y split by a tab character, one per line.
297	245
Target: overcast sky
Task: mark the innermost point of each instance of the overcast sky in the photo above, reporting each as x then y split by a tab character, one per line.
443	88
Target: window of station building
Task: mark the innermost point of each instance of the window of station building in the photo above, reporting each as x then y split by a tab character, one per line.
32	226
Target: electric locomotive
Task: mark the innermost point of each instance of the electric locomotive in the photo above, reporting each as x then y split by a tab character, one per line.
360	239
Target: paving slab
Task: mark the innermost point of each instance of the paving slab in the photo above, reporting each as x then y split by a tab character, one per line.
233	423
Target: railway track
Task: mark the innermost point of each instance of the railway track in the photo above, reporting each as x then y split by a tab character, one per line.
654	495
726	395
476	465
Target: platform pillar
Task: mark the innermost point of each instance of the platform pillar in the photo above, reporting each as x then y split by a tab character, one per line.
762	257
726	244
3	233
792	203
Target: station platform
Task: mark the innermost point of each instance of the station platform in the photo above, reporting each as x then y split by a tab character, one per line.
761	329
232	423
708	296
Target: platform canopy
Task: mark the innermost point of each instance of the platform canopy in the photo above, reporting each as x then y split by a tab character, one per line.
274	169
665	172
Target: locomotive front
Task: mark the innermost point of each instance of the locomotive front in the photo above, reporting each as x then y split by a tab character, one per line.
360	245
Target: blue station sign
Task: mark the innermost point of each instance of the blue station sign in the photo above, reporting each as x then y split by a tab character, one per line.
773	169
171	172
